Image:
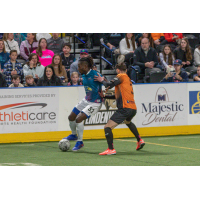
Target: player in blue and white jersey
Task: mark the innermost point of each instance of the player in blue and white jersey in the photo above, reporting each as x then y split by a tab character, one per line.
88	106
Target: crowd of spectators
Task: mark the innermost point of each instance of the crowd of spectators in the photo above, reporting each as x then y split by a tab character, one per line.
48	61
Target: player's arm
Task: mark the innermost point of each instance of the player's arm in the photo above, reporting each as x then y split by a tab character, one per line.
110	84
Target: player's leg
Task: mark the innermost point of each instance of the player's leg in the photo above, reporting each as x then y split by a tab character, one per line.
79	128
115	120
72	120
72	125
89	110
134	130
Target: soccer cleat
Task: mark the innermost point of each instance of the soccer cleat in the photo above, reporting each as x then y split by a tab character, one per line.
71	137
108	152
140	144
78	145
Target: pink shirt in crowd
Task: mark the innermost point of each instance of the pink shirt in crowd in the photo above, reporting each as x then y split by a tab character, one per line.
46	58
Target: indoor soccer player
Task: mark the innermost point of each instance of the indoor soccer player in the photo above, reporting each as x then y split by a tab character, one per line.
126	107
87	107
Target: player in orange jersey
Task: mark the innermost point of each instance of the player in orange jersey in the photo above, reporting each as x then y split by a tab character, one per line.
126	107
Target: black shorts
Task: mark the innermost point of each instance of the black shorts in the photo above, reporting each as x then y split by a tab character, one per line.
123	114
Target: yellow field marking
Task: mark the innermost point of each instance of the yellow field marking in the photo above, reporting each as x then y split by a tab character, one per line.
164	145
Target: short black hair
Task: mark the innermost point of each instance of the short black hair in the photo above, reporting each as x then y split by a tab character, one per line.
68	45
121	67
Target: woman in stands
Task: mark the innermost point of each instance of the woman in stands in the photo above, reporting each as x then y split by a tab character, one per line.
87	107
59	68
147	35
127	47
10	43
184	53
45	55
167	58
33	67
4	56
28	46
49	78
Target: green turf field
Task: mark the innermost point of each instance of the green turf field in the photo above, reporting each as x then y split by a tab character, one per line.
158	151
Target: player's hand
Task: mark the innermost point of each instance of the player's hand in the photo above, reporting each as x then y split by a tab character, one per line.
106	90
99	78
102	95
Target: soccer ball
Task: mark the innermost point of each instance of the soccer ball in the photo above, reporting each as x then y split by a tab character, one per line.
64	145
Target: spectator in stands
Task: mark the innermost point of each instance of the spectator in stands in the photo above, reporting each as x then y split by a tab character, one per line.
178	75
49	78
196	77
33	67
158	38
19	37
167	58
59	68
127	47
184	53
173	38
144	57
12	67
16	81
28	46
75	79
112	40
67	58
74	65
45	55
55	43
43	35
2	81
147	35
10	43
4	56
197	56
29	81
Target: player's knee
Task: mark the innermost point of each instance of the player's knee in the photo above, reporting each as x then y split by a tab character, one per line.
71	118
127	122
78	120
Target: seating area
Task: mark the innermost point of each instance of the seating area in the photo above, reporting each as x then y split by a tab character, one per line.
149	57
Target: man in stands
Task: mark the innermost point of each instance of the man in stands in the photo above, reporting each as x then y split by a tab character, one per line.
144	57
55	43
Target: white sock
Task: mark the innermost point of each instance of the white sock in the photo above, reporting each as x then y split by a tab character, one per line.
72	125
80	128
